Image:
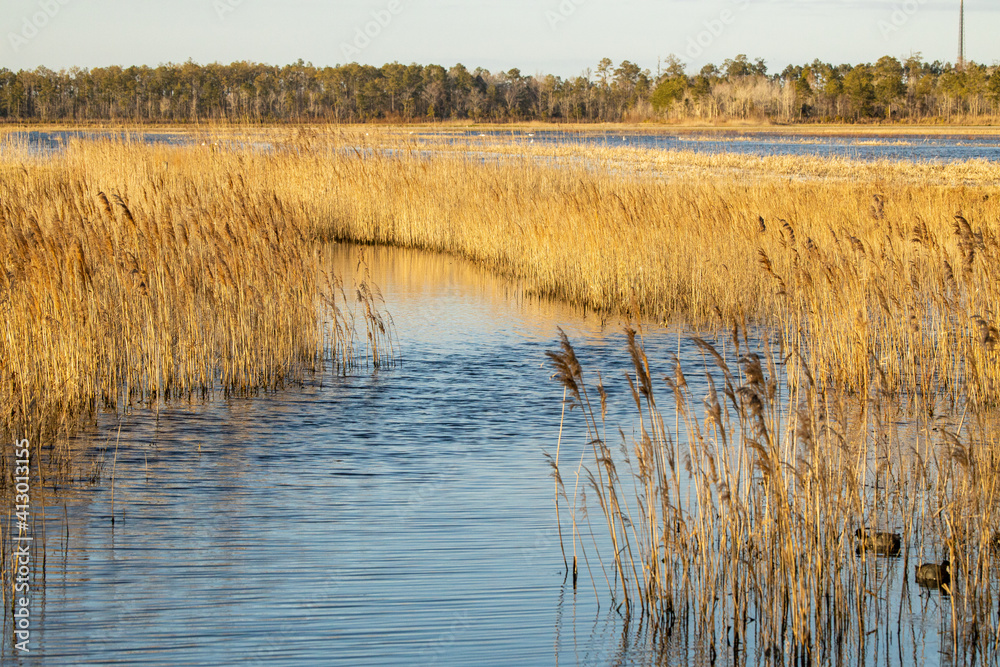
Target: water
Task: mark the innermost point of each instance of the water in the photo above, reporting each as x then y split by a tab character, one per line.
44	143
956	147
403	516
399	517
913	147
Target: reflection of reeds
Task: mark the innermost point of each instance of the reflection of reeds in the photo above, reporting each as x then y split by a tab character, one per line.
760	511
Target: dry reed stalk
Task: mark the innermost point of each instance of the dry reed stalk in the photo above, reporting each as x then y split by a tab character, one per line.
203	274
876	296
774	539
125	283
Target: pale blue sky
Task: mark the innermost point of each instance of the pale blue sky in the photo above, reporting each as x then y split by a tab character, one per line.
552	36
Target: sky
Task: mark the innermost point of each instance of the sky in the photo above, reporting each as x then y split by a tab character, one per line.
562	37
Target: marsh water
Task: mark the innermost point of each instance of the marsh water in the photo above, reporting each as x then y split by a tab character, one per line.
915	147
945	147
397	516
403	516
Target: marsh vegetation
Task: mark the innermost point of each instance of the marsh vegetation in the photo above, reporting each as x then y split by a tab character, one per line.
849	337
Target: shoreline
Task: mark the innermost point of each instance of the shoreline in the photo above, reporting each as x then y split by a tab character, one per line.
444	127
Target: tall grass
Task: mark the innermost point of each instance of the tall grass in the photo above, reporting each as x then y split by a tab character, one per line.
135	274
882	273
880	276
734	507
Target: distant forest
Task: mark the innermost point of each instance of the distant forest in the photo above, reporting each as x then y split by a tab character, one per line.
738	89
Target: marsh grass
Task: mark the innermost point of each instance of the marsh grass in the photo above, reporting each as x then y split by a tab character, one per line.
735	507
136	274
880	278
133	275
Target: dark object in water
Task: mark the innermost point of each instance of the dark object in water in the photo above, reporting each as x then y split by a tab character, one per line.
932	575
883	544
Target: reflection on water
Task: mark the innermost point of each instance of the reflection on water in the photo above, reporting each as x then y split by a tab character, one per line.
398	517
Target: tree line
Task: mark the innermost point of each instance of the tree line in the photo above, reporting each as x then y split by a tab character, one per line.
890	89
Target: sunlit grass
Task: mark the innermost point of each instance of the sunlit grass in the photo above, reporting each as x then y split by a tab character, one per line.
879	275
751	506
140	273
199	264
135	274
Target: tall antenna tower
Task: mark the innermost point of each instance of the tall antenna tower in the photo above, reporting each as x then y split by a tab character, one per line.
961	35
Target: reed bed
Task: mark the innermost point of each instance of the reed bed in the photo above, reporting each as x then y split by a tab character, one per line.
743	509
139	273
135	274
876	282
643	162
880	277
